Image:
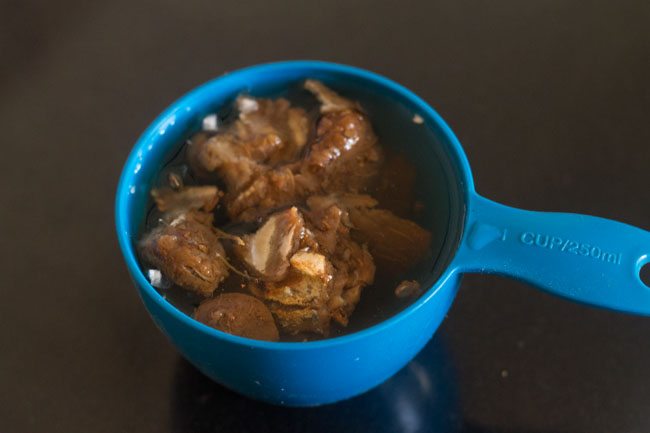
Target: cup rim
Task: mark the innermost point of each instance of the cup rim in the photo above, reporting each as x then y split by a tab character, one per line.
162	121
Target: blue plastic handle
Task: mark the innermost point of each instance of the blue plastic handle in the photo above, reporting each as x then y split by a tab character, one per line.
583	258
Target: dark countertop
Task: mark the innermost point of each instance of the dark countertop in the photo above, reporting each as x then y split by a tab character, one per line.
549	98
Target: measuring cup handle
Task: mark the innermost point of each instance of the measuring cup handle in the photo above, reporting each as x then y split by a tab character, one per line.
583	258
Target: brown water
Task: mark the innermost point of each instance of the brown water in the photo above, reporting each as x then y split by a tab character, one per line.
403	186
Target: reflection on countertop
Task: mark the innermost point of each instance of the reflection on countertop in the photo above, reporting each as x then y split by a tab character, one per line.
421	397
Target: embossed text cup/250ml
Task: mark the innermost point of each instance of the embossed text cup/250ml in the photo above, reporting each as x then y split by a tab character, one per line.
583	258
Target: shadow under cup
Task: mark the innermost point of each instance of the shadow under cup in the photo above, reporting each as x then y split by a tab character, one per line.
318	372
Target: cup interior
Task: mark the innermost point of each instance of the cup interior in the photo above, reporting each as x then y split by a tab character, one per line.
443	180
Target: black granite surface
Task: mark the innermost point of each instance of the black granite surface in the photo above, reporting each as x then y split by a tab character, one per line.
550	98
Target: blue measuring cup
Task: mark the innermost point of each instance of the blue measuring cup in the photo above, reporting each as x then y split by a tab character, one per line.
583	258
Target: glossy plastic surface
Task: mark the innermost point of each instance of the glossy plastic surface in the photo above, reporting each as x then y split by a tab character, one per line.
584	258
497	239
